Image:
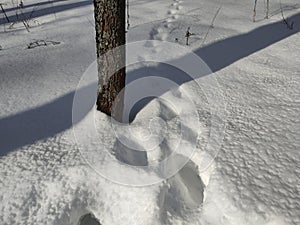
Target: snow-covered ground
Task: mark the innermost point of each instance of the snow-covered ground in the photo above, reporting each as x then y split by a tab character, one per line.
236	125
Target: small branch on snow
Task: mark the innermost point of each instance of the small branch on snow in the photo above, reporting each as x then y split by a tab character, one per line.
1	5
38	43
285	20
211	25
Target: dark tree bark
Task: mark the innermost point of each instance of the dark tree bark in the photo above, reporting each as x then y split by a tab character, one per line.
110	33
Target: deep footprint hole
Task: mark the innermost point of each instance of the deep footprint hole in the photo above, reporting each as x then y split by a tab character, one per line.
183	194
88	219
138	106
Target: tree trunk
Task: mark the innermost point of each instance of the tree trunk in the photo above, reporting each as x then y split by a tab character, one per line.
110	33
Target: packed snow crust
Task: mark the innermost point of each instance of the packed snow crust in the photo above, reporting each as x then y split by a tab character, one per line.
48	177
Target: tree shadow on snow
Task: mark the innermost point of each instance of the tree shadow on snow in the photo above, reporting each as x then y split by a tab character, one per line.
42	122
37	4
47	120
38	12
217	56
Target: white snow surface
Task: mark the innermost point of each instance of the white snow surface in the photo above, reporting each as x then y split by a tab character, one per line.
47	178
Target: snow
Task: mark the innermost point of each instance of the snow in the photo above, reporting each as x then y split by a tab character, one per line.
227	123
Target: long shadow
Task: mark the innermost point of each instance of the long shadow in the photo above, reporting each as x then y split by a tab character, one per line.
45	11
220	54
42	122
34	5
47	120
217	56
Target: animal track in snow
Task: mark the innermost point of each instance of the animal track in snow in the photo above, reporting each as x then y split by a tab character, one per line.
172	12
176	7
129	156
161	32
182	193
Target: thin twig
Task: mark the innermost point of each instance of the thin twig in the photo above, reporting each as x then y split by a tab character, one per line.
254	10
128	22
1	5
290	26
211	25
25	25
267	11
